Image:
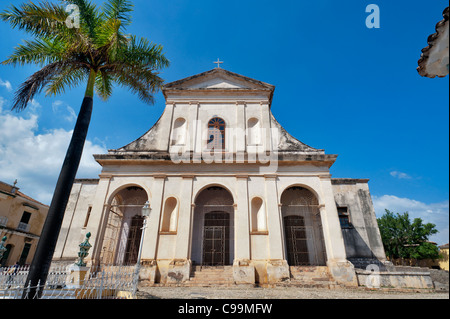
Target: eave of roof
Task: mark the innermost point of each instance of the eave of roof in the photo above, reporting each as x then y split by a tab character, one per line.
136	158
432	40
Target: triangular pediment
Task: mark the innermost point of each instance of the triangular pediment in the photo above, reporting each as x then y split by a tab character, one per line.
217	83
218	79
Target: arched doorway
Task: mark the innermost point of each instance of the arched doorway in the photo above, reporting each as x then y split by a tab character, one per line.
123	228
213	229
302	228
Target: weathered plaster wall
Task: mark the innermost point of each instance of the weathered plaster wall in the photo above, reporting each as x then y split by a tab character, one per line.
363	239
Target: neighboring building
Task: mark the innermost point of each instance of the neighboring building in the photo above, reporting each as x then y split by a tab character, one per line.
262	203
434	59
443	263
21	221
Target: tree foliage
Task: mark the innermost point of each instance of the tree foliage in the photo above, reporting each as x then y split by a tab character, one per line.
92	49
98	48
405	239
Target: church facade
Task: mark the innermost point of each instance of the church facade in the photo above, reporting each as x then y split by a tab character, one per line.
227	186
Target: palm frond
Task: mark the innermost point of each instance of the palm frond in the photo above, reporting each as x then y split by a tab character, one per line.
142	88
40	51
144	53
98	47
35	83
109	38
90	17
119	10
41	20
69	77
104	84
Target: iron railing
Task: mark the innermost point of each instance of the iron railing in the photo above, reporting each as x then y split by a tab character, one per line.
114	282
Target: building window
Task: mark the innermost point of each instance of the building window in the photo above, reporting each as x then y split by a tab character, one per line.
216	134
88	215
344	217
24	222
24	255
25	217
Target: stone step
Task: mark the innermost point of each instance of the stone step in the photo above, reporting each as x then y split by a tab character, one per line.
205	284
202	276
220	272
211	275
310	277
209	269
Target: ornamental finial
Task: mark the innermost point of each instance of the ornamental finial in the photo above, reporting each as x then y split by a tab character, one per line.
84	248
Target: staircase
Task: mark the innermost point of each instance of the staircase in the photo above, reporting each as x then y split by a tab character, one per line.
310	277
202	276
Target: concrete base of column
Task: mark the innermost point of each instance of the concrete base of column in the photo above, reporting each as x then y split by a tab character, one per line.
147	273
277	271
178	271
243	272
343	272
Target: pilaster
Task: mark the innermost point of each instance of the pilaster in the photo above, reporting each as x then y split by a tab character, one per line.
151	234
184	219
242	230
276	249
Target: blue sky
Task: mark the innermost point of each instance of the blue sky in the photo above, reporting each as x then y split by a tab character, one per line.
340	86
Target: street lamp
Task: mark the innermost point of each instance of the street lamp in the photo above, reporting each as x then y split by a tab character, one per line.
146	210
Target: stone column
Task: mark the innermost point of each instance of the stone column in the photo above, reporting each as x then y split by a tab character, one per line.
277	267
341	269
240	142
243	269
98	217
241	219
267	137
192	126
150	243
180	267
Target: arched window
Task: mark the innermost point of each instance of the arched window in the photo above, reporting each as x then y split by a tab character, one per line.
179	132
259	223
216	134
169	223
254	131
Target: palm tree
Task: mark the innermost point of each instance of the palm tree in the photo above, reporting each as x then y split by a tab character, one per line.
95	51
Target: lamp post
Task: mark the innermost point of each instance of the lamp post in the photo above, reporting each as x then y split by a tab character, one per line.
146	210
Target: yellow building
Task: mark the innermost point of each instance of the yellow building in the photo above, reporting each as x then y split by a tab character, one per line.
21	221
443	263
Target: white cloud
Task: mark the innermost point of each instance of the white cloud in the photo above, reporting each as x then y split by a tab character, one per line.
72	116
6	84
436	213
400	175
35	159
62	108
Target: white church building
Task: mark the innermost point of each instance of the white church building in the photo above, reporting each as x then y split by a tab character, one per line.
227	187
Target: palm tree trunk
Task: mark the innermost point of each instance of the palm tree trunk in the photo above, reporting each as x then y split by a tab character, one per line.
50	232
